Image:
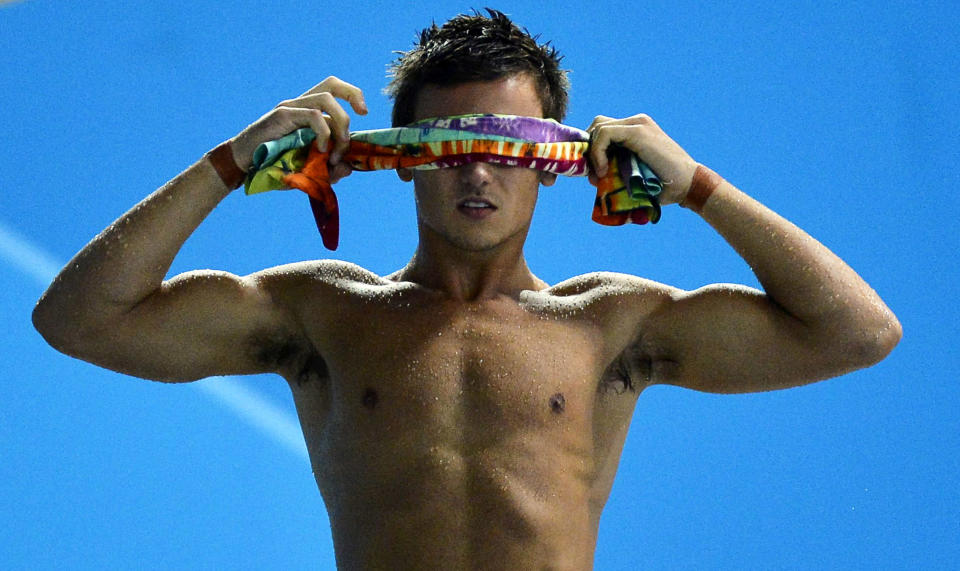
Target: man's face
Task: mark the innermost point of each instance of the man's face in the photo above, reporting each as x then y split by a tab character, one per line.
478	206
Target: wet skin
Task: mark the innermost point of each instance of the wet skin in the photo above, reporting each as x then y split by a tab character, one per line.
451	434
461	413
472	418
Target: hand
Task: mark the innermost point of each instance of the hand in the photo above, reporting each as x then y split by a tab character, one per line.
318	109
643	136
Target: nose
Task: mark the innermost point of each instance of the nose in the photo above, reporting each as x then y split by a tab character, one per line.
476	175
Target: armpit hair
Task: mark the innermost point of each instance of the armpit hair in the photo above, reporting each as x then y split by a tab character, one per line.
618	378
293	358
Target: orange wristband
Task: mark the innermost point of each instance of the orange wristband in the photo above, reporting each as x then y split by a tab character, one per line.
221	159
704	182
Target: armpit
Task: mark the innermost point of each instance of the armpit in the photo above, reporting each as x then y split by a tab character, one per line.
628	372
294	359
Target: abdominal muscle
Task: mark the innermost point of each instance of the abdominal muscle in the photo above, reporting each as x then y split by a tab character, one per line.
447	510
459	437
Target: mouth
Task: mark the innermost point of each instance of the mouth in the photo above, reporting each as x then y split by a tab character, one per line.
476	207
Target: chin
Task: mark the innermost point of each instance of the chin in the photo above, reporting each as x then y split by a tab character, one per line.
476	238
474	243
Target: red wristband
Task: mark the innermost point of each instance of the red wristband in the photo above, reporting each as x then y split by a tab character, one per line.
221	159
704	182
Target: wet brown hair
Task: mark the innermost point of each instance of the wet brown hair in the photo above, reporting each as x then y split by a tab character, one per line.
474	47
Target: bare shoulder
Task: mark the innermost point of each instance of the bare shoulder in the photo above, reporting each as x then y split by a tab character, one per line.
314	298
617	306
336	273
601	288
317	278
320	290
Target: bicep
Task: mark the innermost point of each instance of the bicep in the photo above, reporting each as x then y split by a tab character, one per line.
195	325
730	339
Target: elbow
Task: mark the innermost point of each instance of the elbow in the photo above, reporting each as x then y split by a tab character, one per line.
49	326
43	320
70	332
873	341
58	326
888	336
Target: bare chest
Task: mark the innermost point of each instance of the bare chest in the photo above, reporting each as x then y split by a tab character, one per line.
465	417
484	366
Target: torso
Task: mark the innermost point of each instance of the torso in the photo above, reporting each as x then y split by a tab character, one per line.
464	435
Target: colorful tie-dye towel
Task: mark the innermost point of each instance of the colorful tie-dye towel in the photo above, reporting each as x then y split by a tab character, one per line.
628	193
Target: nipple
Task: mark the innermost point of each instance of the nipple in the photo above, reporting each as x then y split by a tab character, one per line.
557	403
370	398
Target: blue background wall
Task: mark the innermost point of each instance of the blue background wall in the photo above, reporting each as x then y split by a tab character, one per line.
841	117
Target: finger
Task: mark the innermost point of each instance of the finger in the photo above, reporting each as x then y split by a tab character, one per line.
639	119
341	140
599	141
341	90
338	118
357	102
327	118
324	85
597	121
598	152
324	100
339	122
283	120
318	123
605	135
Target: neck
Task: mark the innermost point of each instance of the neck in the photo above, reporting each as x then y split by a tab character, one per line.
471	275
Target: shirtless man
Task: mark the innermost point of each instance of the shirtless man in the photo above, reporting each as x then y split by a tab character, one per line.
461	413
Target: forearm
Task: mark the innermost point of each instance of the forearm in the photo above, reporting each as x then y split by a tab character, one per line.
815	319
129	260
799	274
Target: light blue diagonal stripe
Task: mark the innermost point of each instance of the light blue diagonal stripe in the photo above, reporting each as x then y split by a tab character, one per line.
273	421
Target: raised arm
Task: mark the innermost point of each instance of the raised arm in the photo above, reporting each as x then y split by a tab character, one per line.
815	319
111	306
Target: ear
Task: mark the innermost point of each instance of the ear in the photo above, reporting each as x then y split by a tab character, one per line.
548	178
406	175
